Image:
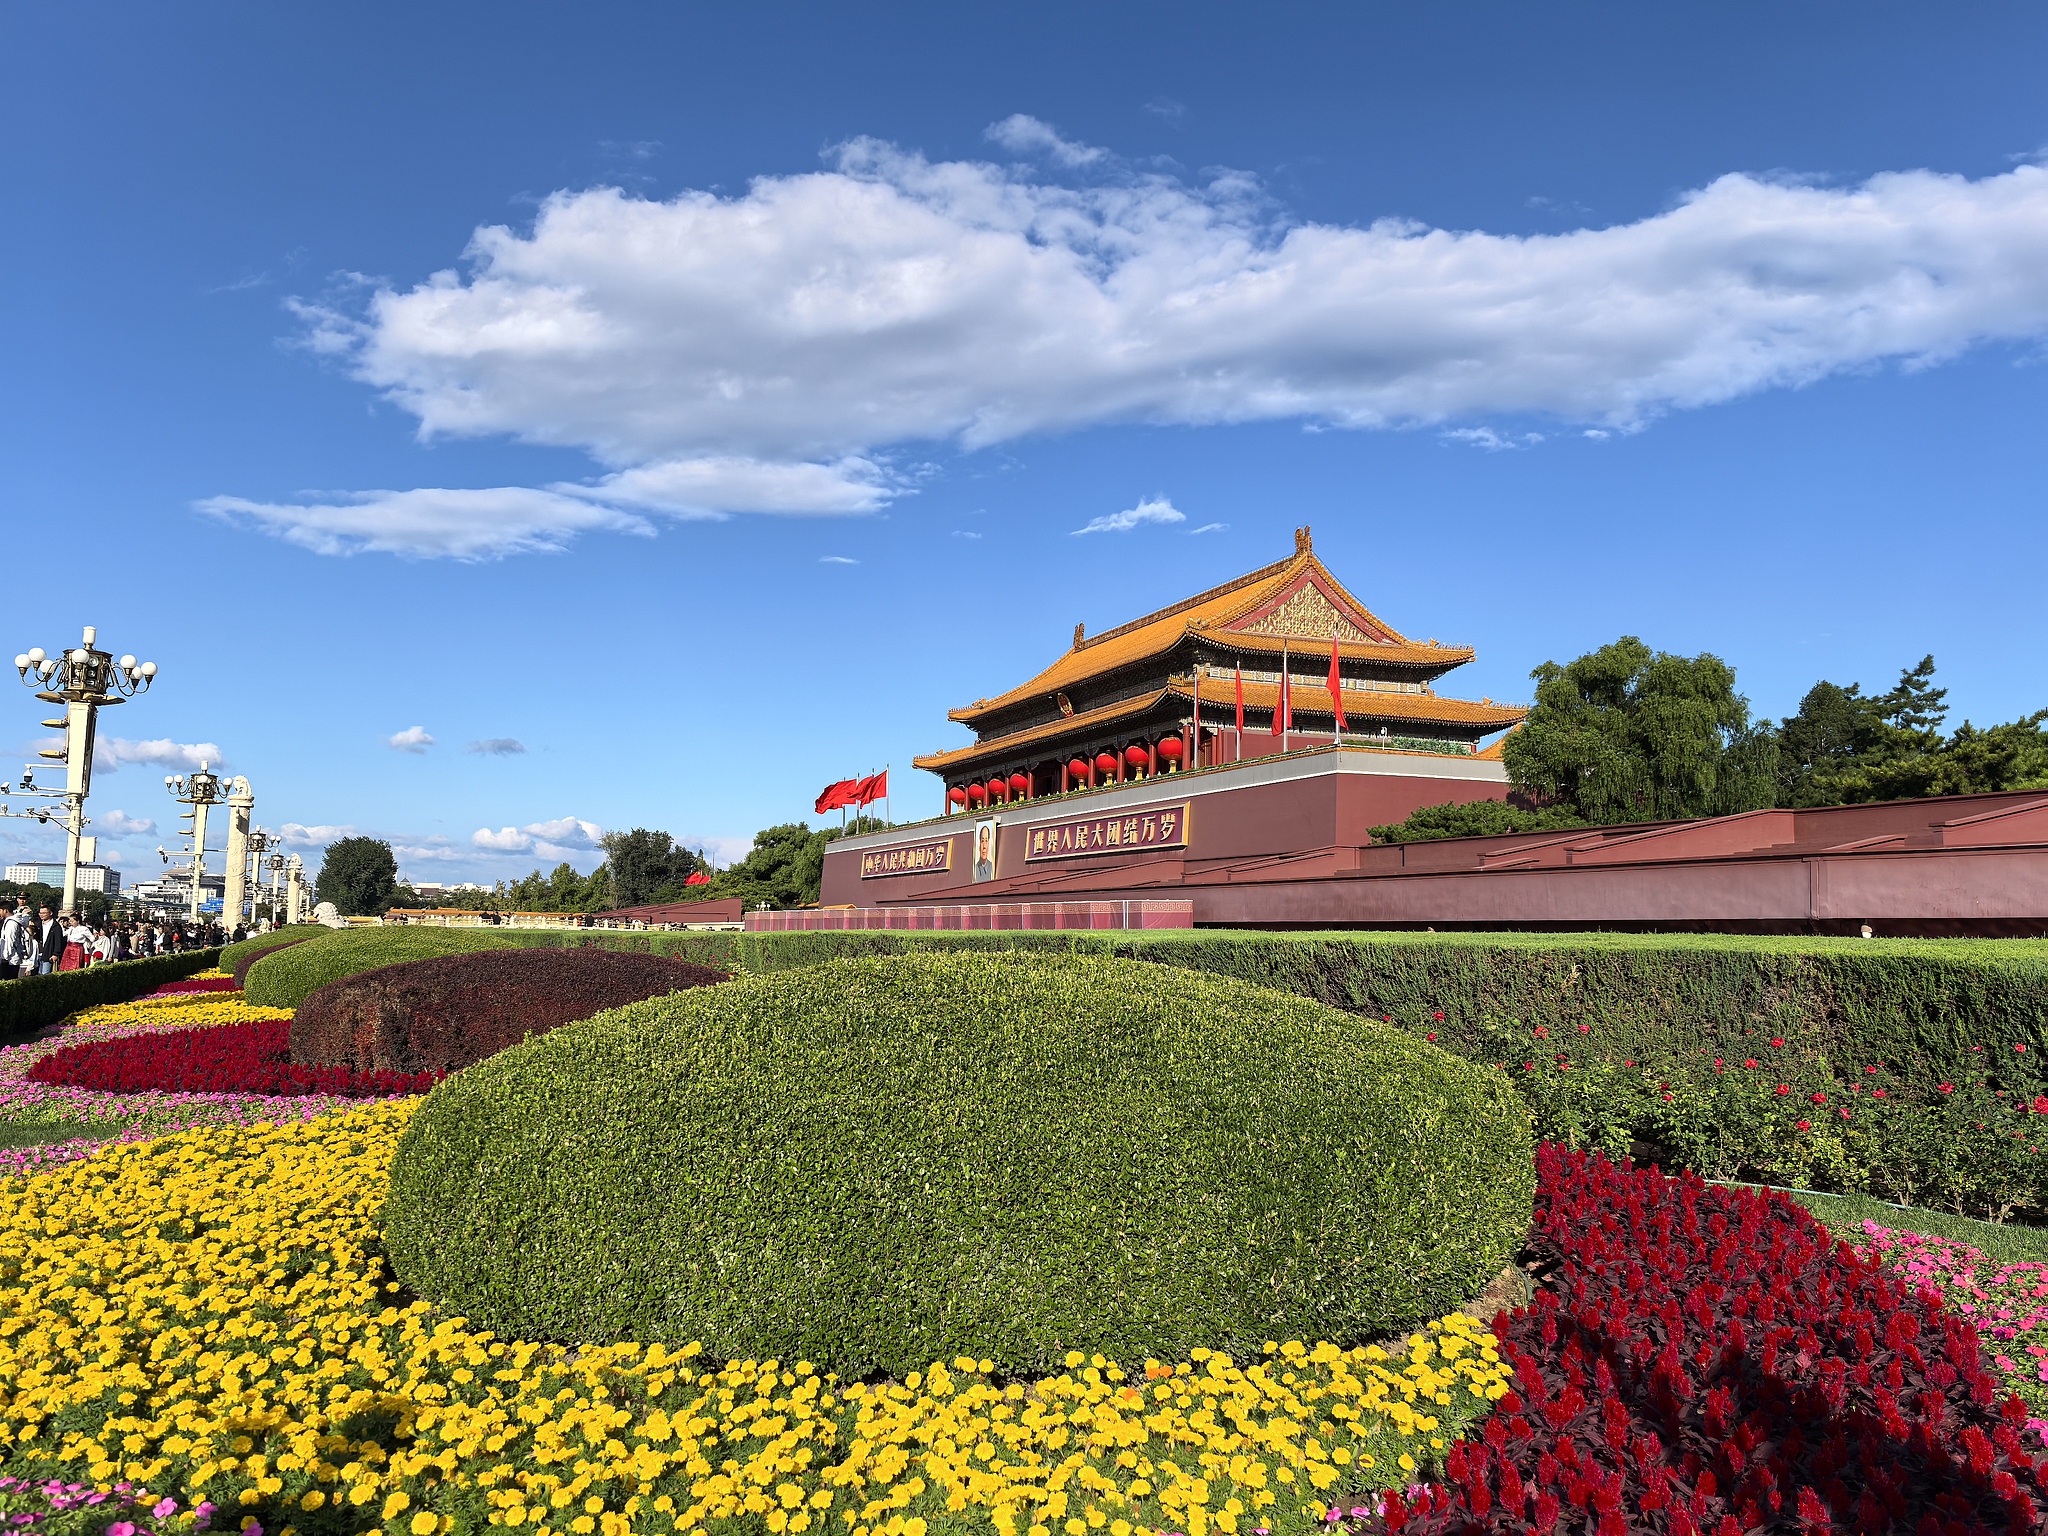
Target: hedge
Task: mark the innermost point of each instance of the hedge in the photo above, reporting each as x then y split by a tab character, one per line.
450	1012
286	977
30	1003
875	1164
237	958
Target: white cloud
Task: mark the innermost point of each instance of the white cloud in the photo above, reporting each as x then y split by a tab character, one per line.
1209	528
497	746
413	738
300	836
1022	134
836	560
765	351
110	752
1154	509
963	533
458	524
1492	441
419	852
551	839
121	824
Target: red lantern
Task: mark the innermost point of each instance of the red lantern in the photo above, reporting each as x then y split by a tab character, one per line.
956	796
1018	784
998	789
1078	769
976	794
1105	762
1136	756
1170	748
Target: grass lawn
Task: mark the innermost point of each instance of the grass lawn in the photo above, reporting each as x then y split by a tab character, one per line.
2002	1243
31	1134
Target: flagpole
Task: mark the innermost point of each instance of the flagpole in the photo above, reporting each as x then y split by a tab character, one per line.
1286	714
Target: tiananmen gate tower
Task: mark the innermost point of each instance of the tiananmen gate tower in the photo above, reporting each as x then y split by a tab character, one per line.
1162	692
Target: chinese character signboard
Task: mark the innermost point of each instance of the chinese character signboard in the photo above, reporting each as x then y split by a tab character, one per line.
916	859
1134	832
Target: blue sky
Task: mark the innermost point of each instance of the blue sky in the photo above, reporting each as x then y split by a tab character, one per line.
758	433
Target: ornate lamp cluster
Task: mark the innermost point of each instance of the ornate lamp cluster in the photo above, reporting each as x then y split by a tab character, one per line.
85	680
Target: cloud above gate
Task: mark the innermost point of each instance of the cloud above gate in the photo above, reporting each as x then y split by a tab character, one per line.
783	349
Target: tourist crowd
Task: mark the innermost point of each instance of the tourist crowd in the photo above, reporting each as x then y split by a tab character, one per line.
35	941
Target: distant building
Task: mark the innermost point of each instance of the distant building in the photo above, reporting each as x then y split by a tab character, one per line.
172	893
91	877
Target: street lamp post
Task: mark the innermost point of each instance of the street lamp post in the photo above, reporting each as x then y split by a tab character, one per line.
84	680
259	844
199	790
295	890
241	801
277	863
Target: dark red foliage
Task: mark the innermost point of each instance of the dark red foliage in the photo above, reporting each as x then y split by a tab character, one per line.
227	1058
201	984
1708	1362
443	1014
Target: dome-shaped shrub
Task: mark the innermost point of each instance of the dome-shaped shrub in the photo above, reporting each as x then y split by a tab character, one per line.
879	1163
446	1013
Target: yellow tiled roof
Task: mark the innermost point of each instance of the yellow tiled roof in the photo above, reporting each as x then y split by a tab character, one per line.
1210	612
1003	746
1220	693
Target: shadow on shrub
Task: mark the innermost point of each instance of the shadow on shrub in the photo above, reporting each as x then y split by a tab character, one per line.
874	1164
452	1011
237	958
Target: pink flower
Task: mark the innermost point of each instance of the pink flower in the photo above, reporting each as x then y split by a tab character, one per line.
1778	1041
1585	1029
121	1528
1429	1037
164	1507
1877	1093
1948	1087
1870	1069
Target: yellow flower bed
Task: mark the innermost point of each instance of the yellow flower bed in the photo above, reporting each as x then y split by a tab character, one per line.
207	1314
184	1010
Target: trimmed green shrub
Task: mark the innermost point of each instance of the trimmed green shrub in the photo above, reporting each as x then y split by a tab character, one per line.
30	1003
237	958
874	1164
286	977
452	1011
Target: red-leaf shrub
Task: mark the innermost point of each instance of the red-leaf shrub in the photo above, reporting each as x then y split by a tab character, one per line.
443	1014
198	984
1708	1362
227	1058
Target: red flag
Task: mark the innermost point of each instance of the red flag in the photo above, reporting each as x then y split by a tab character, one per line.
836	795
870	789
1336	687
1240	701
699	878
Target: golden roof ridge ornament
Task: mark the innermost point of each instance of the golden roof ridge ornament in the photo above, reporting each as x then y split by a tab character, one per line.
1303	545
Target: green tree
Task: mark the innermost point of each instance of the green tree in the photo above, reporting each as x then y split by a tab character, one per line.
647	866
359	875
784	868
1626	734
1473	818
1845	747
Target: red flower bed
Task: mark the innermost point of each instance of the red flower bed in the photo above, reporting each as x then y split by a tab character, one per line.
227	1058
202	984
1708	1362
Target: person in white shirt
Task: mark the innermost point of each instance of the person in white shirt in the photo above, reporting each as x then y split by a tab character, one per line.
17	941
